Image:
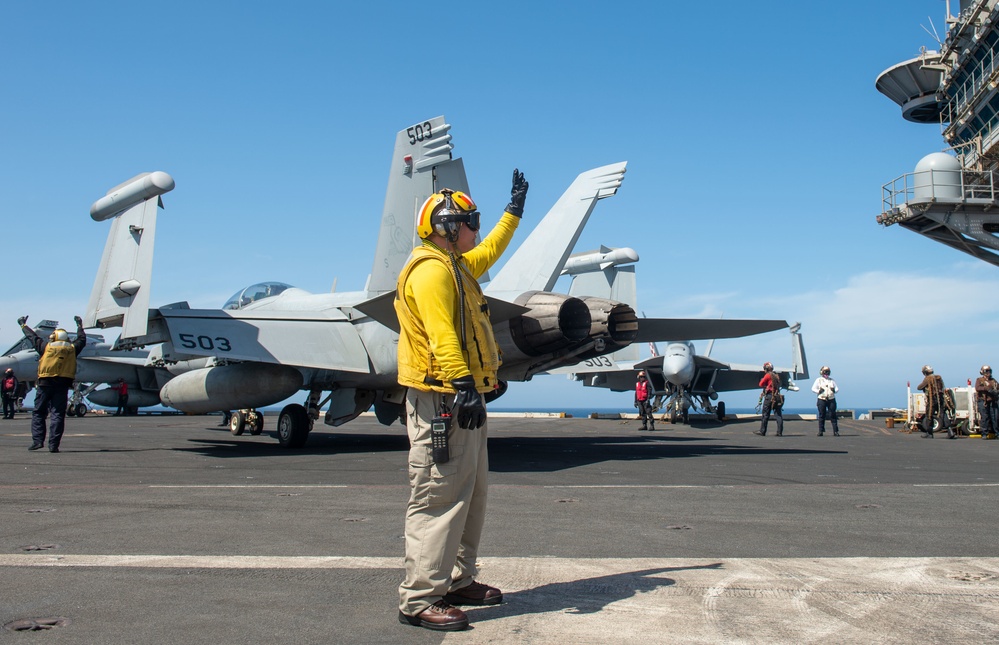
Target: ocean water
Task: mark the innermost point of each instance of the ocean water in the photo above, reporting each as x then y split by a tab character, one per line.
578	412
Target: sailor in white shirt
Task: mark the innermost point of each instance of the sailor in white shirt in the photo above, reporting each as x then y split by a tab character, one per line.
826	390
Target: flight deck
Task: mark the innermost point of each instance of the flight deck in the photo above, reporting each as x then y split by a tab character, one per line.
166	529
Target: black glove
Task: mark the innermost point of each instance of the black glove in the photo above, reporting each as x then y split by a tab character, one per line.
79	321
21	321
468	405
518	193
496	392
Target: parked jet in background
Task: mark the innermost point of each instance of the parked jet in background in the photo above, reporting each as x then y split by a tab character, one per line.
681	379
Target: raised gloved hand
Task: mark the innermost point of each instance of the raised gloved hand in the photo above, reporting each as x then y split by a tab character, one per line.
468	405
79	321
21	321
518	194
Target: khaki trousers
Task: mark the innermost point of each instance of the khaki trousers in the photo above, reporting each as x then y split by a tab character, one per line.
447	506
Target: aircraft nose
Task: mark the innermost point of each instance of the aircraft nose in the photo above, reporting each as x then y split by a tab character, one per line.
678	370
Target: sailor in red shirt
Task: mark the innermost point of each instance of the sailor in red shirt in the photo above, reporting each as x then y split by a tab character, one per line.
773	400
643	401
122	388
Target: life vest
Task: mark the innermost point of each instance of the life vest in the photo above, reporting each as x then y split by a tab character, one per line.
9	383
418	367
642	390
58	359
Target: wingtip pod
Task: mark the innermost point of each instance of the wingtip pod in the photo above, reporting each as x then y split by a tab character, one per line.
134	191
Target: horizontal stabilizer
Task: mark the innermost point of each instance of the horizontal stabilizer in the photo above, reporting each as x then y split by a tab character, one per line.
663	329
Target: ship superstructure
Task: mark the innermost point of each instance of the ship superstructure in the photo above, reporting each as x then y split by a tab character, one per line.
952	196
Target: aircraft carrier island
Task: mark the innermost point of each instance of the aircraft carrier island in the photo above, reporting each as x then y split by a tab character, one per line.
951	195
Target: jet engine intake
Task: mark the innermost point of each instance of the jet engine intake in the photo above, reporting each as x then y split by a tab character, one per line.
231	387
555	322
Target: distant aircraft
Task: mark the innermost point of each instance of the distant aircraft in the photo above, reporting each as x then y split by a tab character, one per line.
96	365
272	340
680	378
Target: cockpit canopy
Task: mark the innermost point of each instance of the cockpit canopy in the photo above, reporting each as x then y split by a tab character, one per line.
253	293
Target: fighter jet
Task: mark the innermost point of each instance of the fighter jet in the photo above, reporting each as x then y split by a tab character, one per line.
142	369
680	378
272	340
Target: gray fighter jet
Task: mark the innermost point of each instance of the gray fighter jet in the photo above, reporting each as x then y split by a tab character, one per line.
680	378
272	340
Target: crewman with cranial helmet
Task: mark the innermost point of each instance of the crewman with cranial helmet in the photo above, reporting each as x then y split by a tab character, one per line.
8	391
449	360
825	389
987	392
932	386
772	400
643	401
56	373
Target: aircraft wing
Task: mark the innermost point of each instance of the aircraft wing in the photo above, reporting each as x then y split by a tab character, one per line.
324	339
664	329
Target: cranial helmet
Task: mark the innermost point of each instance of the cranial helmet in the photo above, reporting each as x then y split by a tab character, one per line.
641	375
59	334
768	366
927	370
985	368
443	211
8	371
825	370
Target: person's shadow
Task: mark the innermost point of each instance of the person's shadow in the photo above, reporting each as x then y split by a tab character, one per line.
586	596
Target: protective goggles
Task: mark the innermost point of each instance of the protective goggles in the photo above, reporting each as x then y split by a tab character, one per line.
471	220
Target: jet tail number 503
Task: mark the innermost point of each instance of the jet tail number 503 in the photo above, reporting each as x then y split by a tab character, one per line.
420	133
207	343
598	361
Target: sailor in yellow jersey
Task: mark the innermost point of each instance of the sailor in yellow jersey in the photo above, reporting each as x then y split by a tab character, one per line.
56	373
449	361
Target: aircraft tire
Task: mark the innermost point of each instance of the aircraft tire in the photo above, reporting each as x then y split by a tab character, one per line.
80	409
720	410
237	423
70	411
293	426
672	415
258	423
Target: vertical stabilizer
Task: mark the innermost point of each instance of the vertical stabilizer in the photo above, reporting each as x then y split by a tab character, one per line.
120	296
421	164
539	260
800	364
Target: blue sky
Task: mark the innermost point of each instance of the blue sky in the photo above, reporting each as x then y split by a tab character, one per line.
756	153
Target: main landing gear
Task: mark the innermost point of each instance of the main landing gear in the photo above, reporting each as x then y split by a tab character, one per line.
293	426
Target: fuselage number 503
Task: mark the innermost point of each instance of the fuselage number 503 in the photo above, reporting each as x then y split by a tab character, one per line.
190	341
599	361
